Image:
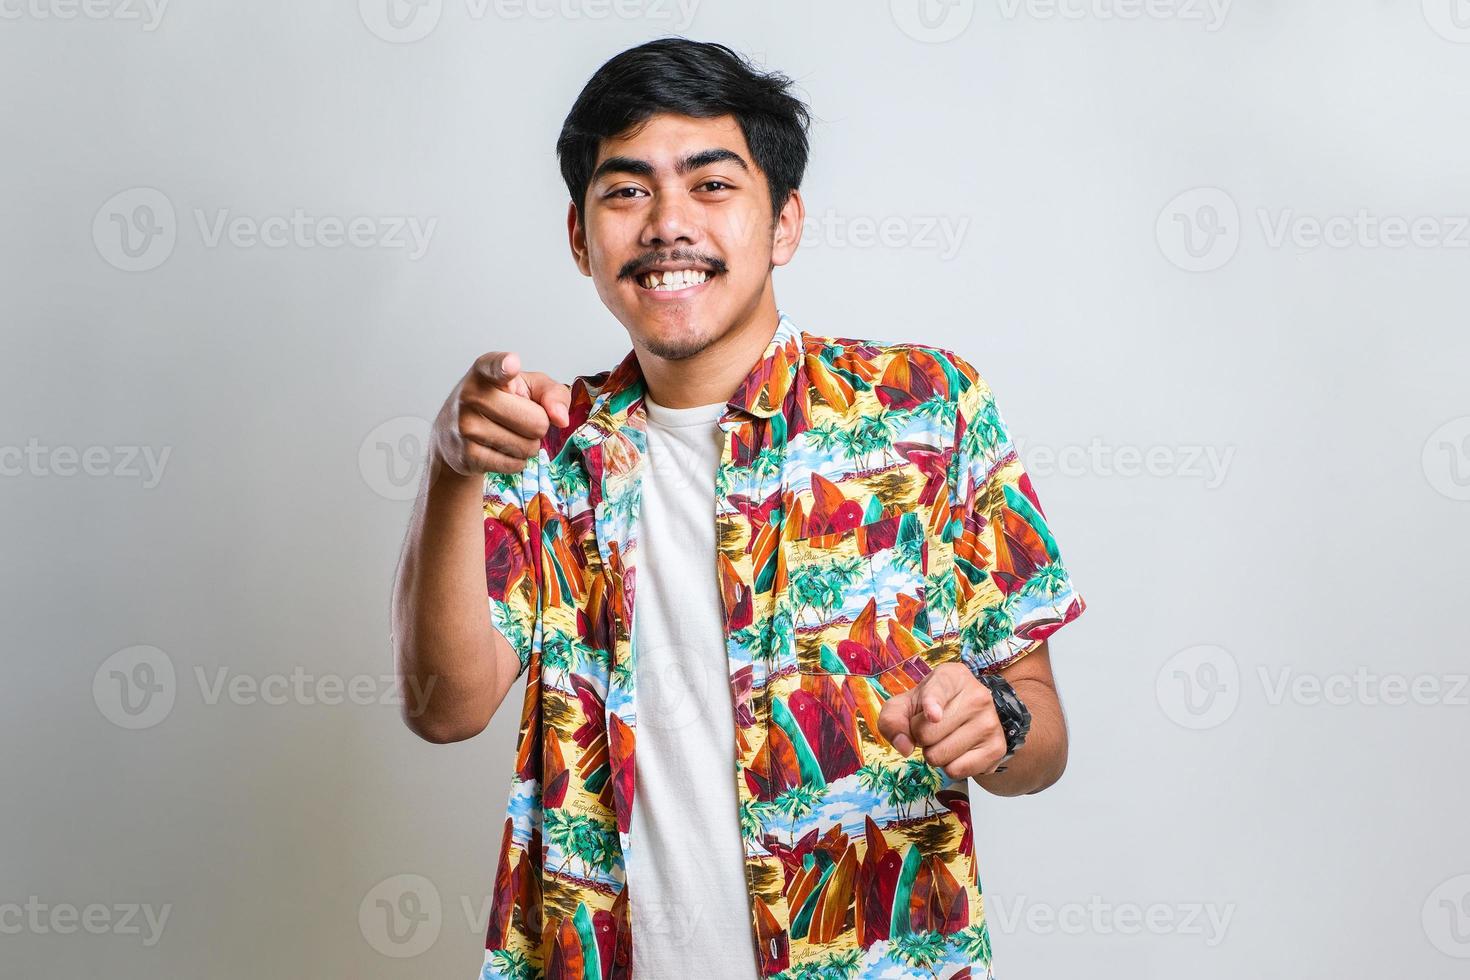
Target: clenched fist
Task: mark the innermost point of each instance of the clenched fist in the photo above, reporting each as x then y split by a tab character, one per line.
496	416
952	716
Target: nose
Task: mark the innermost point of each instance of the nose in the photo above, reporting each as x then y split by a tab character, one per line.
671	222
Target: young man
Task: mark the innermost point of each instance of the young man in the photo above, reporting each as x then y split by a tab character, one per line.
844	584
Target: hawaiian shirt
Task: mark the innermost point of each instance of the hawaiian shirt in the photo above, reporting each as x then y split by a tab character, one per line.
873	520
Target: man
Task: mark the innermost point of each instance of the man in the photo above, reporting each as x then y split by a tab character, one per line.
844	584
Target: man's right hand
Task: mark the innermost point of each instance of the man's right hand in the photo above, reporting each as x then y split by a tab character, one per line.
496	416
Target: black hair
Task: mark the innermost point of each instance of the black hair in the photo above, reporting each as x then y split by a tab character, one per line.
689	78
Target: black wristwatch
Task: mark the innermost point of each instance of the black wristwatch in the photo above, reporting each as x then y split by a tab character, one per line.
1015	720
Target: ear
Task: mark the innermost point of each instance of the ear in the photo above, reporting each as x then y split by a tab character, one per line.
577	239
787	234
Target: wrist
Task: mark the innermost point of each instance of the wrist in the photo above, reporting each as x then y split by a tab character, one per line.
442	479
1015	718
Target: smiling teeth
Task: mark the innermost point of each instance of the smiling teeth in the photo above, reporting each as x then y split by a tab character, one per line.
676	279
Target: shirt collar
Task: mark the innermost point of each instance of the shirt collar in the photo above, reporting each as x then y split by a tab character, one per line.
762	393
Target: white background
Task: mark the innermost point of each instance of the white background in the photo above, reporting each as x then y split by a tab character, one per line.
1130	192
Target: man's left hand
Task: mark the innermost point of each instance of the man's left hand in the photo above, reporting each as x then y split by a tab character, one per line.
951	715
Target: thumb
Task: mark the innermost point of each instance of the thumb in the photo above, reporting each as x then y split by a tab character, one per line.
503	370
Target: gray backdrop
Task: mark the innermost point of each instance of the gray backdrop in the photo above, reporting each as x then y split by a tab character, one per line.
1211	258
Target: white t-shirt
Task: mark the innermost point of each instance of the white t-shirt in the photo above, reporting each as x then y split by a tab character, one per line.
690	907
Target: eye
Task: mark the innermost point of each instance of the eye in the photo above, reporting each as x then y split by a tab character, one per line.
720	185
620	194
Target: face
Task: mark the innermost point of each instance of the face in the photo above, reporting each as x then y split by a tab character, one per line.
677	234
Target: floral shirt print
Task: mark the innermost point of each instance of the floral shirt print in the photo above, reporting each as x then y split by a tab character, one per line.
873	521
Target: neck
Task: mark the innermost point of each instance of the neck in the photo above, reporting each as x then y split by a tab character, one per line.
714	373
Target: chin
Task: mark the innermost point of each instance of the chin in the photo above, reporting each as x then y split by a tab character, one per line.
676	346
674	335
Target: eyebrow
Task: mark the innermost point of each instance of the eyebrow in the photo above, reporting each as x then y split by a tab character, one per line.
642	168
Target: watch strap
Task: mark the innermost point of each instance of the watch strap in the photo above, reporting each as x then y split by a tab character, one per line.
1015	719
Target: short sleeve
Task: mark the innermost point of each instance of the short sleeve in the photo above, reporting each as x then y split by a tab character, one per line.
1012	589
511	561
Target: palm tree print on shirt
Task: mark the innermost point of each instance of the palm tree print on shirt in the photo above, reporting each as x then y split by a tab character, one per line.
873	521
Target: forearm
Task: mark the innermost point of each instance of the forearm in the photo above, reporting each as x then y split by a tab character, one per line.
1043	757
442	636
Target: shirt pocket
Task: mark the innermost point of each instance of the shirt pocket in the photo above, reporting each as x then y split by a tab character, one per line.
844	587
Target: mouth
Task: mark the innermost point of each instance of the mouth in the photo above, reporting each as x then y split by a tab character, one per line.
671	283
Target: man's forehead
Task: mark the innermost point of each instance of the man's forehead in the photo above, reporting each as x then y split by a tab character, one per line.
665	139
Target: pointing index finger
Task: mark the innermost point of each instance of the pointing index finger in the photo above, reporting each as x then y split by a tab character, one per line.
551	395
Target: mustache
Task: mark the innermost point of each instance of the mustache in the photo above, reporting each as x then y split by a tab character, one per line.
645	263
